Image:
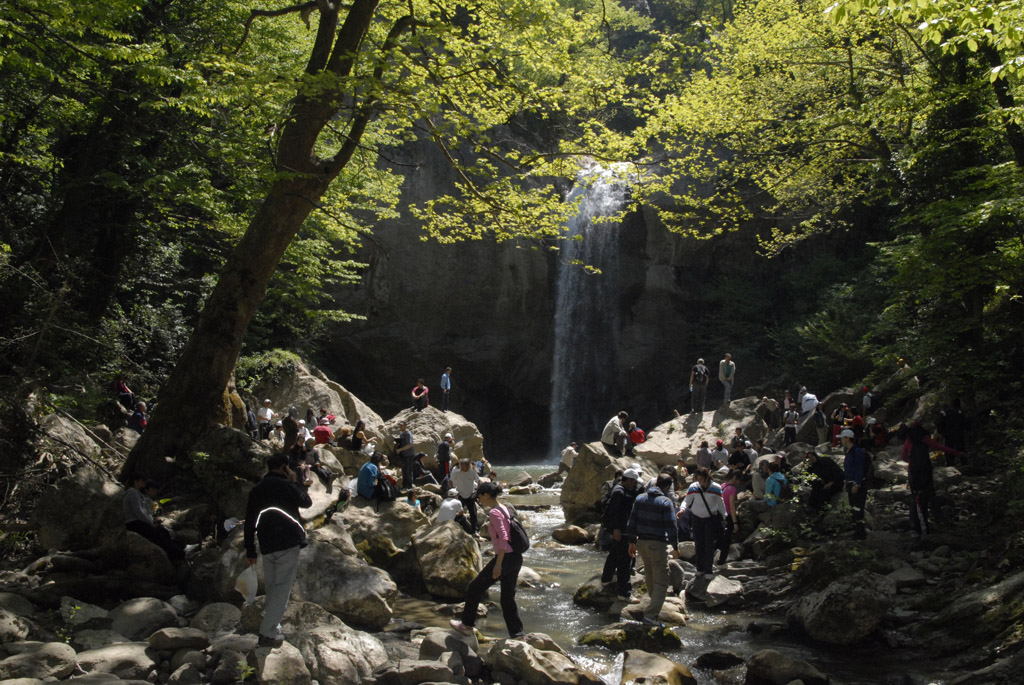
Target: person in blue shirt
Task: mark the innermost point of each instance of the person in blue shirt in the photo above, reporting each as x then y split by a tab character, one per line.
652	524
854	470
772	489
446	387
369	474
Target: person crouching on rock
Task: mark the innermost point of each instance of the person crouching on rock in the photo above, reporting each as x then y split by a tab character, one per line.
272	515
138	518
504	566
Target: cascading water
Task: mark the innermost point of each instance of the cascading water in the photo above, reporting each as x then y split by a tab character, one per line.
583	384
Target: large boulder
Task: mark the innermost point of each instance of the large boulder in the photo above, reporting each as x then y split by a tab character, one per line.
682	436
218	618
37	660
533	666
395	521
653	669
360	594
581	491
58	514
846	612
61	434
13	628
283	665
334	652
126	660
138	618
448	559
429	426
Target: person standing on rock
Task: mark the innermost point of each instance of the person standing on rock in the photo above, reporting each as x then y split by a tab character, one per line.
920	479
704	502
614	435
446	387
652	524
444	460
854	472
404	450
420	396
790	420
504	566
569	455
727	376
732	522
700	376
265	415
467	481
272	517
616	517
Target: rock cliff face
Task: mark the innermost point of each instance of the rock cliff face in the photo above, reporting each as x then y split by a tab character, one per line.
487	310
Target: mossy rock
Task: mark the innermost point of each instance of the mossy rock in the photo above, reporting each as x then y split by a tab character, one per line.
378	551
619	637
594	594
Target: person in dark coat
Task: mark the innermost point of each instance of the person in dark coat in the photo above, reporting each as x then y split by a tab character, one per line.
616	516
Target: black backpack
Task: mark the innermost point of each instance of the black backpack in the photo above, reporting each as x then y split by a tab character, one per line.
700	373
517	536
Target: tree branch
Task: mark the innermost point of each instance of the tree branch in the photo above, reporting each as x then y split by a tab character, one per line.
305	7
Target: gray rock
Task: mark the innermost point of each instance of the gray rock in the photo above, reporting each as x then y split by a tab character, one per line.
216	618
58	510
428	427
653	669
595	594
437	641
230	666
848	611
13	628
43	660
61	434
769	667
143	559
90	638
413	672
683	435
187	674
188	656
619	637
16	604
548	480
173	639
581	491
533	666
907	576
137	618
282	665
395	521
127	660
75	612
448	559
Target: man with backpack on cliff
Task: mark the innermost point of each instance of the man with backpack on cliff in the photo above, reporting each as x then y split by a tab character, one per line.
699	378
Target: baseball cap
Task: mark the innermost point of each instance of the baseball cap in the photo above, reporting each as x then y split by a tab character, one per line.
846	433
718	442
453	493
632	474
447	435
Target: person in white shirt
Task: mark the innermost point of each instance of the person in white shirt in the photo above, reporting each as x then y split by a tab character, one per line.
727	376
808	403
451	510
569	455
465	480
265	415
304	433
614	435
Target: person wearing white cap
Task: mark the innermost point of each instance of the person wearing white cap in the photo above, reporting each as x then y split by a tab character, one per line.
854	471
304	433
569	455
616	516
265	415
451	510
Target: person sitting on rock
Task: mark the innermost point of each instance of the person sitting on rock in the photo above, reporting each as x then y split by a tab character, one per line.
322	434
277	435
637	436
325	415
304	433
827	479
360	442
614	436
738	438
772	488
420	396
138	518
720	454
421	475
412	498
451	510
369	476
311	462
138	420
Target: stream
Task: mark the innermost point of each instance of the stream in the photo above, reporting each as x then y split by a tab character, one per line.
549	609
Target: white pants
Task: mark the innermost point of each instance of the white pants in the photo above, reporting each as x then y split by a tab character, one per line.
279	570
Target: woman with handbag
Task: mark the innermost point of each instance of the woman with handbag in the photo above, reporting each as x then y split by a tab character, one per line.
704	502
504	566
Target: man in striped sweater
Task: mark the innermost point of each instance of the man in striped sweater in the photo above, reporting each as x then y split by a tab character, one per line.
652	524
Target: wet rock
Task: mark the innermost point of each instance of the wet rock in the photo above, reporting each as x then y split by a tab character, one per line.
90	638
520	479
128	660
653	669
282	665
548	480
138	618
448	559
357	592
718	660
437	641
529	578
595	594
572	535
42	660
581	491
216	618
715	591
769	667
619	637
534	666
848	611
413	672
173	639
673	612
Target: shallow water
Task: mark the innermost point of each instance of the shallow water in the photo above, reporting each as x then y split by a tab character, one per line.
550	609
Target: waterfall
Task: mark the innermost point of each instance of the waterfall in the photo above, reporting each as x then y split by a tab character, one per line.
584	368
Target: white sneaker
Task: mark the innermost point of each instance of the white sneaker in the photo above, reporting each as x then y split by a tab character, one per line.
461	627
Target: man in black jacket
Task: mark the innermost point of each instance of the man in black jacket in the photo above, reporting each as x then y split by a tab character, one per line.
272	515
616	515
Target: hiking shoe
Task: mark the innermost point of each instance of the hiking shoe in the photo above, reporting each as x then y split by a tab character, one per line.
648	621
623	598
519	636
273	642
461	627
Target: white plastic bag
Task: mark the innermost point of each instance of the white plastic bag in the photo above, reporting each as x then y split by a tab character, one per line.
246	584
